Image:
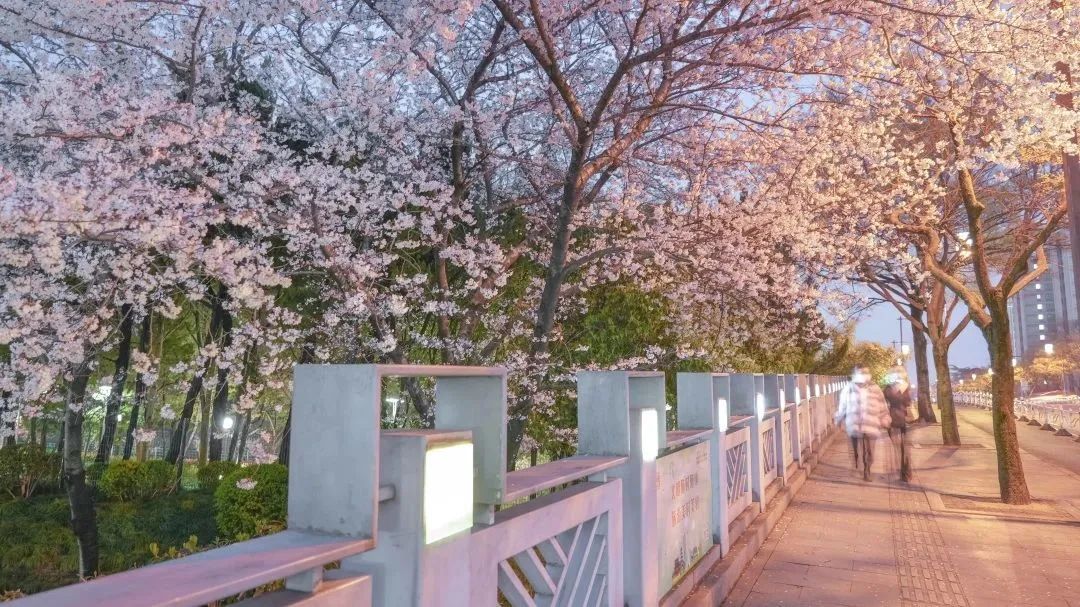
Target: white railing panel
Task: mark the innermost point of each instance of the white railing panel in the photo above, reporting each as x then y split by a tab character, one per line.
768	450
558	549
737	466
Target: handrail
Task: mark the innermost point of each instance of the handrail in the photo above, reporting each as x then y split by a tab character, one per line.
678	438
527	481
208	576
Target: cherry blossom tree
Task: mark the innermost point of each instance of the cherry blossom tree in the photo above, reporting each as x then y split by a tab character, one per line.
954	93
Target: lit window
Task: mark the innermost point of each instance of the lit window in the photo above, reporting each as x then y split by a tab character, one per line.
1038	286
1040	316
1042	338
1042	327
1038	307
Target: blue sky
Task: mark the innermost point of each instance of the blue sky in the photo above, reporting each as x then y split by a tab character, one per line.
880	324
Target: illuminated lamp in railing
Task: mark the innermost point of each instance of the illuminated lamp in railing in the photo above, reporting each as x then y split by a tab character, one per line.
448	490
650	440
721	414
760	406
783	399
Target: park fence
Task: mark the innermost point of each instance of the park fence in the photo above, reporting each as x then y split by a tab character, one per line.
1060	414
433	518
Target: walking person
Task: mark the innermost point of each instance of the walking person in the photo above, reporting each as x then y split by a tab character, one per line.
865	415
898	396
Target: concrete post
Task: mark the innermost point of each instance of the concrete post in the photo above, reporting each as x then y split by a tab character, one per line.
622	413
421	557
334	441
478	403
703	403
745	397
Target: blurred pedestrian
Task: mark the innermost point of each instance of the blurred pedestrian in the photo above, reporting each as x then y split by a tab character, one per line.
898	395
865	415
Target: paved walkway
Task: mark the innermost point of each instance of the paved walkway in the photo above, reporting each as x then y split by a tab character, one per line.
845	542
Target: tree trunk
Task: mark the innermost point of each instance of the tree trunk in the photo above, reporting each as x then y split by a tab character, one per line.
221	393
950	433
116	396
33	430
1011	480
243	438
140	389
204	428
194	388
80	496
922	370
44	434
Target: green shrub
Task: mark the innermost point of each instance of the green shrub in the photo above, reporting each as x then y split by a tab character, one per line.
38	550
251	501
211	475
131	480
24	468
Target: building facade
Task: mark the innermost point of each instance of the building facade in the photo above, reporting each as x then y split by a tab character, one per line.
1045	311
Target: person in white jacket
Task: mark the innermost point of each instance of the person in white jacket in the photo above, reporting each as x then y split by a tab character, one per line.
865	415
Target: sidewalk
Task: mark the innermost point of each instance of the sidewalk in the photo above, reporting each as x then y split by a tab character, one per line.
845	542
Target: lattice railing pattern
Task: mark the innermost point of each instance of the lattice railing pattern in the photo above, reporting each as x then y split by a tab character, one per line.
804	427
568	569
768	449
737	459
788	452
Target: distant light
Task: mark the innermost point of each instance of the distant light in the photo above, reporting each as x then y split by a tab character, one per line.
119	416
1048	348
448	490
905	349
1014	361
974	376
963	236
989	372
228	422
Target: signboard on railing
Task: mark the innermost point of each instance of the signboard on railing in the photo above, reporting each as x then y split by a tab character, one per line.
683	492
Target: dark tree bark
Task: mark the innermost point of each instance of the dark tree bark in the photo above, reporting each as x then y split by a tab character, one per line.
80	496
307	355
179	437
243	438
116	396
922	369
1011	479
950	433
140	390
221	393
33	430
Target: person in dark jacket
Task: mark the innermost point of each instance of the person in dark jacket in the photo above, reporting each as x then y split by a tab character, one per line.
898	395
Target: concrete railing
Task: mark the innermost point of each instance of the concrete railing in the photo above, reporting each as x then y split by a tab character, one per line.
432	517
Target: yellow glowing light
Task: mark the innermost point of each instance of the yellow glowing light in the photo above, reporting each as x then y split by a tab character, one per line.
448	490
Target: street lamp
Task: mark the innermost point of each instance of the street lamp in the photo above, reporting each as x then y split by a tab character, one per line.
227	423
1048	349
905	349
393	402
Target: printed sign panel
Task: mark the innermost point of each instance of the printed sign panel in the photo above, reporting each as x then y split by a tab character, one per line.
683	488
